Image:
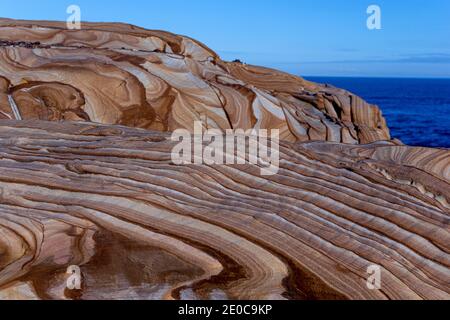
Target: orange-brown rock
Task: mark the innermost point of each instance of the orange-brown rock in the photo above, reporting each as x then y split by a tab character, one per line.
86	178
109	199
121	74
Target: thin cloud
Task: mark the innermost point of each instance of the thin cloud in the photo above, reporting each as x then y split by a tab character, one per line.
422	58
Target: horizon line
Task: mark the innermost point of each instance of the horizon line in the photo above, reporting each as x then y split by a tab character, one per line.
378	77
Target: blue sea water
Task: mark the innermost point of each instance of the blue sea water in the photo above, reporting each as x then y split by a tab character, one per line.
417	110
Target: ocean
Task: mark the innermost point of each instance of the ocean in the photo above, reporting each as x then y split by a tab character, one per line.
417	110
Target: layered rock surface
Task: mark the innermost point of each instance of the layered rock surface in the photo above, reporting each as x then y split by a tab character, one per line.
106	196
110	200
120	74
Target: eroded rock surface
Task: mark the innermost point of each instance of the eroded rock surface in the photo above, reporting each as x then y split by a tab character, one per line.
121	74
107	197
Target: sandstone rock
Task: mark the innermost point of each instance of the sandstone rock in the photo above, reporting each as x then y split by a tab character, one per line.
121	74
95	186
110	200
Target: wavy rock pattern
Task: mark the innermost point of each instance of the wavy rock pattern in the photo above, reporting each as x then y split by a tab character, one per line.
121	74
104	197
107	196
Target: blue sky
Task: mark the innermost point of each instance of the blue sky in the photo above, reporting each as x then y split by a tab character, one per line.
307	37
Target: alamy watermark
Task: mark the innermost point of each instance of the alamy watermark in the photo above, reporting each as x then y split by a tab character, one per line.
74	280
374	279
73	22
235	147
374	19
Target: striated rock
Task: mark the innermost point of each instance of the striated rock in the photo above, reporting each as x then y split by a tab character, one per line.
96	187
109	199
121	74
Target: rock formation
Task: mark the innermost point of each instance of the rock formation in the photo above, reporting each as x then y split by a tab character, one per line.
119	74
86	178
